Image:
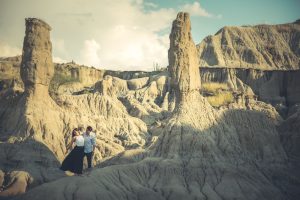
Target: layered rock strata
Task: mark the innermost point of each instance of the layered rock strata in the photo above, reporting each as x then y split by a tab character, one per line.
278	88
265	47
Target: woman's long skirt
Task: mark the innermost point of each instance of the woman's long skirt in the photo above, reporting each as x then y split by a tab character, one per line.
74	161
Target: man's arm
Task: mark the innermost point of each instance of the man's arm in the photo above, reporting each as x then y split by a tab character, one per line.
94	142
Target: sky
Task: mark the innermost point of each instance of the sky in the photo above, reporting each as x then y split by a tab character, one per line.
129	34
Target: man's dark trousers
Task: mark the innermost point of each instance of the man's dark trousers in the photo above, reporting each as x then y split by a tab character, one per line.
89	157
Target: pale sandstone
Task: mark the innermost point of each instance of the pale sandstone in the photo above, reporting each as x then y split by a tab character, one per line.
268	47
183	59
16	184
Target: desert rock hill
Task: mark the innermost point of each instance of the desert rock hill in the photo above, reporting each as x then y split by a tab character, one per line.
35	127
268	47
158	137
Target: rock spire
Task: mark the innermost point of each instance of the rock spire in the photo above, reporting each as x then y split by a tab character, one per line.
183	58
37	67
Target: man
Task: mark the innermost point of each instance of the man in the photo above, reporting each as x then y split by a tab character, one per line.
89	145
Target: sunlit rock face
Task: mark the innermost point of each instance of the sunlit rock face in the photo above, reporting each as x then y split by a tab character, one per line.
268	47
36	67
183	59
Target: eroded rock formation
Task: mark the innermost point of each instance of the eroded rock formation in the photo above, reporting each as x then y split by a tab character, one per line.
35	129
16	183
196	152
37	67
149	151
278	88
31	129
183	59
268	47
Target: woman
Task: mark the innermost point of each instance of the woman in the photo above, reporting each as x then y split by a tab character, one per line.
74	161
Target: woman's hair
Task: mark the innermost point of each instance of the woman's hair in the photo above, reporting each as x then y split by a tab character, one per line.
74	132
89	128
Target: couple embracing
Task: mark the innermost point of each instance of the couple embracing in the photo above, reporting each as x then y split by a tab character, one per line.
84	146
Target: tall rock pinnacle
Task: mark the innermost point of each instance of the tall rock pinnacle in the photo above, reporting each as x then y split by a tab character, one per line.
37	67
183	58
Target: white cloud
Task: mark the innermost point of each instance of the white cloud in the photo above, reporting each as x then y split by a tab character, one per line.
129	36
151	5
89	54
118	35
59	60
7	51
59	46
196	10
133	48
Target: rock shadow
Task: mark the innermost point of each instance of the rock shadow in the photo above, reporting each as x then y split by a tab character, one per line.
241	149
30	156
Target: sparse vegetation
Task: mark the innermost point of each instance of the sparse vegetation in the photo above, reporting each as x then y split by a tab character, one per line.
217	94
213	87
5	76
220	99
59	79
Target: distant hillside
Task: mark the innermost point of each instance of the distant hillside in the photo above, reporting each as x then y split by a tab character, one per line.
268	47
